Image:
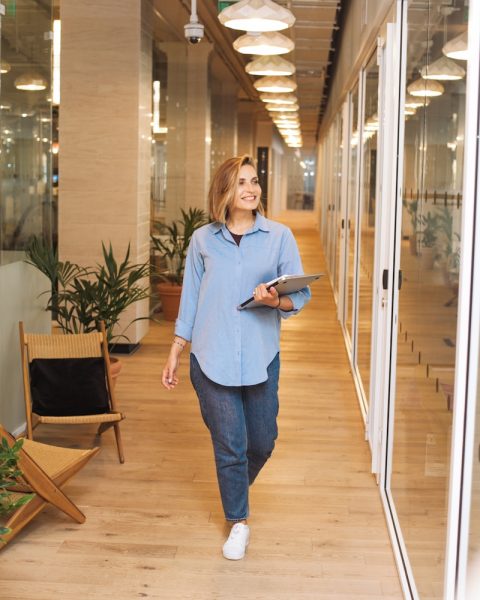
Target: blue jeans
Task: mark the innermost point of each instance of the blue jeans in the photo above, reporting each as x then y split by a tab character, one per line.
242	421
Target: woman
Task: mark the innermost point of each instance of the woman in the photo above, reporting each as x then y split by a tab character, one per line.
234	359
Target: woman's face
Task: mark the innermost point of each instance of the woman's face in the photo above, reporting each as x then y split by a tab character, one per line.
247	196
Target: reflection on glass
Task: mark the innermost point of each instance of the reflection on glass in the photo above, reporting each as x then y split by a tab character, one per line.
337	171
473	572
26	206
351	210
430	260
367	223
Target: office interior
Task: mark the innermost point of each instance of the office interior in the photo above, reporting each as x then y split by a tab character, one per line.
121	125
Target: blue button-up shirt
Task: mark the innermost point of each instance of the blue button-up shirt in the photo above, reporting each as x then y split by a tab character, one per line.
234	347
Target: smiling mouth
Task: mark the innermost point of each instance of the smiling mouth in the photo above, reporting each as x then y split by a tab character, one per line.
249	197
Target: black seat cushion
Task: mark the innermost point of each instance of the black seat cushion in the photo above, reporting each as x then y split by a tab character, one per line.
64	387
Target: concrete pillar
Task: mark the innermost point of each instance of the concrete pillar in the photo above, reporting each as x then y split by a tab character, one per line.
105	134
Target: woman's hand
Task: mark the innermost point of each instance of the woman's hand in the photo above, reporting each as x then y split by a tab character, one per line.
169	375
268	297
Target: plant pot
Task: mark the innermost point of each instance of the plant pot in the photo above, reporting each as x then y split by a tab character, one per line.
427	258
116	366
170	297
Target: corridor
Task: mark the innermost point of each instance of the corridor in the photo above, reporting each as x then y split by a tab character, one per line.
154	525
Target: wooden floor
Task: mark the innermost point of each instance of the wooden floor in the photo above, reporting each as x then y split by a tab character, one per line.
154	525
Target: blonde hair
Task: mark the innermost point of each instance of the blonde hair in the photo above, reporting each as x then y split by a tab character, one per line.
223	187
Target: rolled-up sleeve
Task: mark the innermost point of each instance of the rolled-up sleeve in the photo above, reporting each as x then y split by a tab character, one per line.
291	264
194	269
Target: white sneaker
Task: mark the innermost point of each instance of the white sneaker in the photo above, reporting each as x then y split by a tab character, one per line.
234	548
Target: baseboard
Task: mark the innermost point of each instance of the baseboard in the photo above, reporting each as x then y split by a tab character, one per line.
123	348
20	430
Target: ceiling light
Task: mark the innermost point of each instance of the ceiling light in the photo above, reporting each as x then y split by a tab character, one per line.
443	69
409	111
263	44
31	82
4	67
278	98
275	84
270	65
288	132
457	47
425	88
5	105
412	102
288	125
282	107
256	15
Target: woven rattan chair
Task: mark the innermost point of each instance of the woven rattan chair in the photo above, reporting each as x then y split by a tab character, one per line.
72	346
44	470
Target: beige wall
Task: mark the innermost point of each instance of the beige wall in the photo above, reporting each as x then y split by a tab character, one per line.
20	300
105	143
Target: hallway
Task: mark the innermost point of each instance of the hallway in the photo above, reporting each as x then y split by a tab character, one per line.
154	525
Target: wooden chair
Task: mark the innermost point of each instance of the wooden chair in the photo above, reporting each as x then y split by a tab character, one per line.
72	346
44	469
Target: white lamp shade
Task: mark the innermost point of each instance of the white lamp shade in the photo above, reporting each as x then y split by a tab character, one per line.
410	111
270	65
287	125
275	84
263	44
282	107
443	69
31	82
412	102
425	88
4	67
457	47
278	98
256	15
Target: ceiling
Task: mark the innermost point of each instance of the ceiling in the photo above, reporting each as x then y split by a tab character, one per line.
312	34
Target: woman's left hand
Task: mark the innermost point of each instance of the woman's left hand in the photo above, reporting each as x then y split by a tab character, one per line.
268	297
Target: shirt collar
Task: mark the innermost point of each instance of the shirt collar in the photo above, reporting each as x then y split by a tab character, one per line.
260	223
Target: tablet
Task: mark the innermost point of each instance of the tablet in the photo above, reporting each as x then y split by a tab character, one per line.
285	284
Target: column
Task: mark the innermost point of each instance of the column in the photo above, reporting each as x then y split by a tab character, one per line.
105	135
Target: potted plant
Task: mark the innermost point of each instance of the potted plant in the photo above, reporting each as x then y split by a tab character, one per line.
9	474
451	249
172	242
81	297
428	238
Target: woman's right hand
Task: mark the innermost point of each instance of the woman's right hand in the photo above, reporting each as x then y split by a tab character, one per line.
169	375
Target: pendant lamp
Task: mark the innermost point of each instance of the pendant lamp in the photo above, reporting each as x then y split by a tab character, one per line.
425	88
287	124
443	69
263	44
256	15
282	107
31	82
457	47
270	65
4	67
412	102
278	98
275	84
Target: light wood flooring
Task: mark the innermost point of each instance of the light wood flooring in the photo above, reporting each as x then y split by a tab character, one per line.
154	525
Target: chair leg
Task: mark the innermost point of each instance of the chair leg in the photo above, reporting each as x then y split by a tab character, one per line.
118	438
104	427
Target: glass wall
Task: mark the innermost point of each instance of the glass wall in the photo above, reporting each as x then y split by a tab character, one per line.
367	222
430	259
26	204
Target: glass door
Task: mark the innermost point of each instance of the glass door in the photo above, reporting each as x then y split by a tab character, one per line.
366	222
351	212
426	324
